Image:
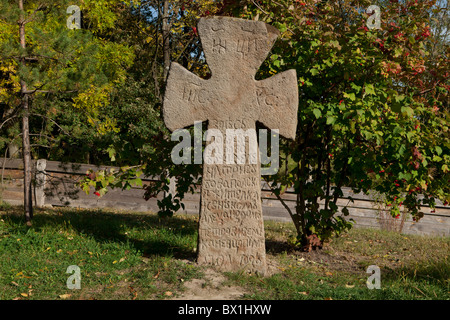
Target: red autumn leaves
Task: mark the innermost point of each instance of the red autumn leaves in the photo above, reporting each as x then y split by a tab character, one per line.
91	175
417	156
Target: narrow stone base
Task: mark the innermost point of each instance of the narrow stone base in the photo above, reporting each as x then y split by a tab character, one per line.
231	226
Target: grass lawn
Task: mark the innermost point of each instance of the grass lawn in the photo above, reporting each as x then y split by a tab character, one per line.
125	255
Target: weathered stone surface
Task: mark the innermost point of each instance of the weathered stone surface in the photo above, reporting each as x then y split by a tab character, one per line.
231	230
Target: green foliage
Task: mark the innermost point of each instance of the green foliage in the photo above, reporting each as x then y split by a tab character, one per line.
61	65
367	117
142	139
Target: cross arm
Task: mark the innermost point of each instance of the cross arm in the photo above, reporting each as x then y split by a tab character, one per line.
183	99
278	101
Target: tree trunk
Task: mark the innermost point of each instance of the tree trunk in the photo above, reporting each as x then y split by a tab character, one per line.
166	38
26	148
27	175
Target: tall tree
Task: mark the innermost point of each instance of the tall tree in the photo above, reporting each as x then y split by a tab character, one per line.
28	204
48	59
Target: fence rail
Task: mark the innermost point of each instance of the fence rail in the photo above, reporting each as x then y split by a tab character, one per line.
55	184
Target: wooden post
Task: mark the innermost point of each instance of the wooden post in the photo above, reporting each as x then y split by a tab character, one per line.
172	187
40	179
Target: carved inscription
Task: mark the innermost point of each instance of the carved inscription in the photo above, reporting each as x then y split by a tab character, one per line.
232	243
252	28
219	45
227	170
266	99
233	231
236	216
254	260
246	47
231	221
231	124
215	259
232	183
234	194
194	93
217	28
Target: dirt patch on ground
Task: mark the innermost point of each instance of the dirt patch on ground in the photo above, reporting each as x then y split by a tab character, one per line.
210	287
335	262
339	261
213	285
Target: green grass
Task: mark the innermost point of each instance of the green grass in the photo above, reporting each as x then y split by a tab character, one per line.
412	267
121	255
140	256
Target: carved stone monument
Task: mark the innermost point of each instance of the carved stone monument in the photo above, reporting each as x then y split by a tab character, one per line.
231	229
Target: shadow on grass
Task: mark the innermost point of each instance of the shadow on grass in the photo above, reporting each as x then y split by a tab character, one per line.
421	271
276	247
155	235
434	272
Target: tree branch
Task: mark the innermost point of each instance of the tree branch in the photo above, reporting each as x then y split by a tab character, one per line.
432	88
259	7
30	18
281	200
10	118
54	122
48	91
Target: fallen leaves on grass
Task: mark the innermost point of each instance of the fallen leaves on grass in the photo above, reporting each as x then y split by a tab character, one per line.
22	275
133	292
28	294
120	260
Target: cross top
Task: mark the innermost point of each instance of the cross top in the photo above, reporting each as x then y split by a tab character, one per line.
234	50
232	47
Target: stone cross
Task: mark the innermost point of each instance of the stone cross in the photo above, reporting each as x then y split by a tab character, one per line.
231	228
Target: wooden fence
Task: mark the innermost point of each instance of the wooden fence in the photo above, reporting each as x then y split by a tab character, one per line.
55	184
